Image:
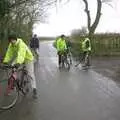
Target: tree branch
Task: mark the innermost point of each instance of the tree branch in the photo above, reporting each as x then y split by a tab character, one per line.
97	19
18	3
88	14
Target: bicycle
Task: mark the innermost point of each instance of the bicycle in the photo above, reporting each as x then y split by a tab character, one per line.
85	60
64	61
14	85
69	54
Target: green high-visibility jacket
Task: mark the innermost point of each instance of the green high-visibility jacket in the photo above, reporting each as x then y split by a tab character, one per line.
86	45
20	51
61	45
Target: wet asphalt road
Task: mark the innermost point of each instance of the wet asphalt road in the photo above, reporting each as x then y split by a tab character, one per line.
62	95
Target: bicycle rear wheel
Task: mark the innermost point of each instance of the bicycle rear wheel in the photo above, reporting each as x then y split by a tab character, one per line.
8	93
86	60
65	63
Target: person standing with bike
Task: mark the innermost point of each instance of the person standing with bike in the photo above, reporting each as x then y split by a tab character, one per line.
18	53
61	48
69	46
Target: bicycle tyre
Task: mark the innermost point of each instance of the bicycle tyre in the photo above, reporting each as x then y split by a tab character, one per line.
8	101
67	65
86	60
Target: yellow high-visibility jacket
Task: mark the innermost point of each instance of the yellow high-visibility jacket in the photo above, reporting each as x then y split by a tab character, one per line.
86	47
61	45
21	51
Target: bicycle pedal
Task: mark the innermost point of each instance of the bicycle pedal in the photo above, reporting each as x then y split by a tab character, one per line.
8	93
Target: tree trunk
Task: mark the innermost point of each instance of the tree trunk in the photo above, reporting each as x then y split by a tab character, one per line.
92	28
97	19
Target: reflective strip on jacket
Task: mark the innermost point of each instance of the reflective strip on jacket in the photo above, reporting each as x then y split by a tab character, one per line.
23	53
61	45
84	48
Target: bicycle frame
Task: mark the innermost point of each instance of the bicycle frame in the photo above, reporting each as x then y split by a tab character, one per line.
84	60
12	78
13	86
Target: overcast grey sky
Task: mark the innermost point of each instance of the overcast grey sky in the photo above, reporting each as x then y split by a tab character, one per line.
72	16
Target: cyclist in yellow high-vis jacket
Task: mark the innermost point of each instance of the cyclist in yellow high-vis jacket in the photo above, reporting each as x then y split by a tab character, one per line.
19	53
86	45
61	47
86	49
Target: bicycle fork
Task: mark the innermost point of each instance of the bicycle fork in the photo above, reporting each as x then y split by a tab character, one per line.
10	85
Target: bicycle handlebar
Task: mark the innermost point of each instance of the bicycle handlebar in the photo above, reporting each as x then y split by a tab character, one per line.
8	66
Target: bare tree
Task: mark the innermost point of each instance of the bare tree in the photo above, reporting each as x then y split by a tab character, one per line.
92	26
18	12
20	16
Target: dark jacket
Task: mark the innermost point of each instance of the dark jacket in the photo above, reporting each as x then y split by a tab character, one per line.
68	43
34	43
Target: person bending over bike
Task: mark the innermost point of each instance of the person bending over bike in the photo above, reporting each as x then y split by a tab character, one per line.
18	53
86	49
61	48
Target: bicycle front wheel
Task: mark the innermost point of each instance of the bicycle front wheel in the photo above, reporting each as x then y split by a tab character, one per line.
67	65
8	93
25	84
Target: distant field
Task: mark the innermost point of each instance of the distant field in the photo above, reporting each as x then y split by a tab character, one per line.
47	38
